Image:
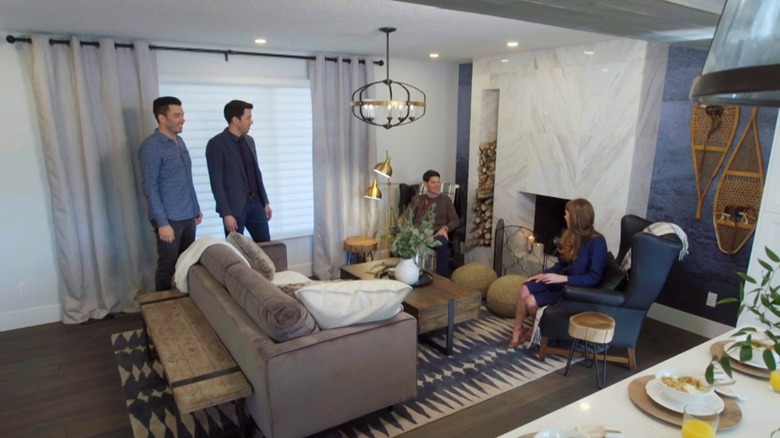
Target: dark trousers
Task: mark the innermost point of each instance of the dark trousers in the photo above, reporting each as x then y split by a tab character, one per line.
443	257
253	218
168	253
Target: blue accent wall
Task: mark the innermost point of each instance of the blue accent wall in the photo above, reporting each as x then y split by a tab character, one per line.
673	196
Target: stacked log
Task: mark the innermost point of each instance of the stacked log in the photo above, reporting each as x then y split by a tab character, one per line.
482	231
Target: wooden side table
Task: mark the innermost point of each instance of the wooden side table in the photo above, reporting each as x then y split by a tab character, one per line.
594	329
359	248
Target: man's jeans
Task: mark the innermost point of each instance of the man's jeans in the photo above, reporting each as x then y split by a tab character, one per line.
168	253
253	218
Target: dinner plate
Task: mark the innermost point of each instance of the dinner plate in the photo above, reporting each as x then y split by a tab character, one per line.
654	389
756	361
560	433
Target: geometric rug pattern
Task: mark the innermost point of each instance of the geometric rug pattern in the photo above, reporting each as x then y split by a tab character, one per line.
480	367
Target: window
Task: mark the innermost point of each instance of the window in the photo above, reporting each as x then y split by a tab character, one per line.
282	131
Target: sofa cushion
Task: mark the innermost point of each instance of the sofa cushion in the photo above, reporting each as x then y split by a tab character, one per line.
279	316
217	259
258	259
339	304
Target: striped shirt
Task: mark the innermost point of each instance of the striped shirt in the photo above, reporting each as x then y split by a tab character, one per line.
166	173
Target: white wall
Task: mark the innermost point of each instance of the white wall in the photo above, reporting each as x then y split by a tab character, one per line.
27	257
767	228
429	143
566	117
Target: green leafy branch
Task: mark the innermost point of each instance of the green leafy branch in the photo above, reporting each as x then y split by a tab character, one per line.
763	301
408	240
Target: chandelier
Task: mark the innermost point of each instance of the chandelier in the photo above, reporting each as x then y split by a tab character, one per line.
394	104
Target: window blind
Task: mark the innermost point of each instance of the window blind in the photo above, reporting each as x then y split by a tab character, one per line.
282	131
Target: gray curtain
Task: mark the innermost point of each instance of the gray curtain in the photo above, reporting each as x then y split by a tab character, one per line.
94	107
344	158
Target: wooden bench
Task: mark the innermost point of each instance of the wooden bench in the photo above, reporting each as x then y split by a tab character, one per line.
198	368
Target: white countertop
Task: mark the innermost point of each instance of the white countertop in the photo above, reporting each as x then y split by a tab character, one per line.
612	408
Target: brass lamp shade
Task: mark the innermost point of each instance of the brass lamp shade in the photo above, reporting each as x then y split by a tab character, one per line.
384	167
373	192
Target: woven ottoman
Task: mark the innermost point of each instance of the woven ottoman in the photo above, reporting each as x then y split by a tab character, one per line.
475	276
502	295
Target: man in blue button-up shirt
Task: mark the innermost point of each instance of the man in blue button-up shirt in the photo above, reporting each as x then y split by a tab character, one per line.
166	172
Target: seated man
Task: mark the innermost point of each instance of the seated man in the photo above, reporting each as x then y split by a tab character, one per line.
446	218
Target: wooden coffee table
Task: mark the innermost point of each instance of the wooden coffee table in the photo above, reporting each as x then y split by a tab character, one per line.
438	305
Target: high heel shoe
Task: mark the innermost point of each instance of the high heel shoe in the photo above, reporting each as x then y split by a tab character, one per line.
514	344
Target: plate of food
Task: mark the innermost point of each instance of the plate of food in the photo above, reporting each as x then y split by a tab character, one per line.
673	389
560	433
758	346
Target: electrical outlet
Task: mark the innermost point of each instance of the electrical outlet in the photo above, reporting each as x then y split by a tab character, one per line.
22	288
712	299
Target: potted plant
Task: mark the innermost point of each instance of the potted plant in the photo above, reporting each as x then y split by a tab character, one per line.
763	301
410	242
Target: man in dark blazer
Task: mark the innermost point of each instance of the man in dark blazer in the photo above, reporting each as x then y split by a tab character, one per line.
236	180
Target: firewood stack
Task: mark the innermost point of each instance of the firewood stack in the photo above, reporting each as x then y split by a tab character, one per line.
482	231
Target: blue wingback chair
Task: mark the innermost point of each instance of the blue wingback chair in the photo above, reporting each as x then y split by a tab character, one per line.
652	258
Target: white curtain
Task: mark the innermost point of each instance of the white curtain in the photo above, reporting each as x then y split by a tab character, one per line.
94	108
344	158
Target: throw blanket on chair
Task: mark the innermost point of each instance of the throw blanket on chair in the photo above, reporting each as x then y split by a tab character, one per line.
191	255
659	229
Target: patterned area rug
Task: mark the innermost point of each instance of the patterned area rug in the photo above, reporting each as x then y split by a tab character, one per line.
481	367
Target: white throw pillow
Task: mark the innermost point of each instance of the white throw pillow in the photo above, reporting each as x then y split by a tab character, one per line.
283	278
345	303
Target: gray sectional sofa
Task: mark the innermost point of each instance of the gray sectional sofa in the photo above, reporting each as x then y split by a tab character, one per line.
315	379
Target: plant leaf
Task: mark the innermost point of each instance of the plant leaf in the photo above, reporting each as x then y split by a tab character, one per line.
725	363
728	300
772	256
746	278
746	351
769	359
709	374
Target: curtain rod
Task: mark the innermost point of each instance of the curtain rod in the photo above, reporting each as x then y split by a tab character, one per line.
12	39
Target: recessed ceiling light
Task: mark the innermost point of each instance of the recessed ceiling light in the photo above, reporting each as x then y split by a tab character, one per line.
434	55
504	60
588	52
512	44
260	41
605	70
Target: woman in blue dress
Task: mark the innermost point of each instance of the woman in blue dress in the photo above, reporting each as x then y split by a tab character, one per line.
582	259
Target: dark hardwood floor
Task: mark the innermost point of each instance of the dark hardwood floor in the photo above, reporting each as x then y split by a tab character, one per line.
61	380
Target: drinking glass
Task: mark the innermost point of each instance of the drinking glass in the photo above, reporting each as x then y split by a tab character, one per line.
774	380
699	421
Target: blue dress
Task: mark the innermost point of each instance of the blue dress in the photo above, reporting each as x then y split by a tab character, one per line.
586	271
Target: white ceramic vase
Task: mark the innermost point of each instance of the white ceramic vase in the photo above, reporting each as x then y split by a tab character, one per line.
407	272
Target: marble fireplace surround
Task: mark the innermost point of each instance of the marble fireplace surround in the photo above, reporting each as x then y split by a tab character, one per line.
571	122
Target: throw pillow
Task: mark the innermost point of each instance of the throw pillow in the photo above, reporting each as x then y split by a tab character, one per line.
257	258
613	276
339	304
283	278
279	316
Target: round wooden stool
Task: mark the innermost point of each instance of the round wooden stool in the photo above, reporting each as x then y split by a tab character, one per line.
358	248
594	329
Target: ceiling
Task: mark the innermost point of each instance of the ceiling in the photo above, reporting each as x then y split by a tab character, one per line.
477	28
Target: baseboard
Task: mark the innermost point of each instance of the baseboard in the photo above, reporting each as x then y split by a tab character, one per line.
686	321
29	317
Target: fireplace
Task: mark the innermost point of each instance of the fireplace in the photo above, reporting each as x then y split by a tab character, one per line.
548	221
